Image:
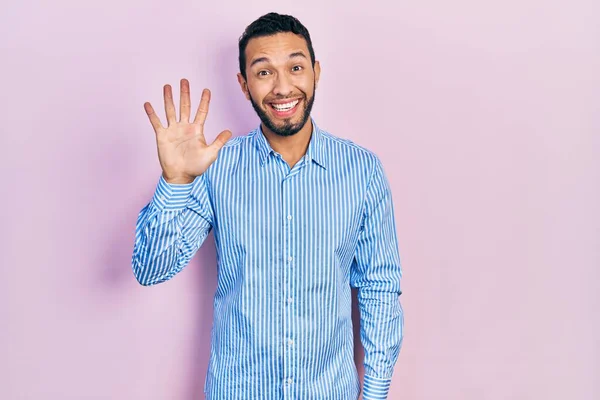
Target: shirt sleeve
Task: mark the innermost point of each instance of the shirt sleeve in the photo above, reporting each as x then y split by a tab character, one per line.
376	272
170	229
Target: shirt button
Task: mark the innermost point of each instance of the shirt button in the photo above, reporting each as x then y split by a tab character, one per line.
290	300
290	258
289	381
289	217
290	342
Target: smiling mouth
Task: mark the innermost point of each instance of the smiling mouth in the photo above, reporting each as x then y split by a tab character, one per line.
284	110
283	107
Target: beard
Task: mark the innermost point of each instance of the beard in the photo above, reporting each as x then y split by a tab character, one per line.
288	128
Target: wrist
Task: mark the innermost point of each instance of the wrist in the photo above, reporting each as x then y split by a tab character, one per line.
177	180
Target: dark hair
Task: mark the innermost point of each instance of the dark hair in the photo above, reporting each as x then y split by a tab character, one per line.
270	24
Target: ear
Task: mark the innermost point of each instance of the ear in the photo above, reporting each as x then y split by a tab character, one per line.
317	69
243	85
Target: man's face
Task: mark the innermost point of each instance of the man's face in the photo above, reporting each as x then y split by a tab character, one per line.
280	81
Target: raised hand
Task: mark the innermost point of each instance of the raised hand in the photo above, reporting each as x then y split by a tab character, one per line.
182	149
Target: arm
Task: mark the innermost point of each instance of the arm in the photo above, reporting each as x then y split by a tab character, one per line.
173	226
170	229
376	272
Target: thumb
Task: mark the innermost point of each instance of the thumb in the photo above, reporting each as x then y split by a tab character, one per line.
220	140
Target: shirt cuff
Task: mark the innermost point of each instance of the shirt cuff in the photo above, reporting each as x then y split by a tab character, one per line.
376	388
170	196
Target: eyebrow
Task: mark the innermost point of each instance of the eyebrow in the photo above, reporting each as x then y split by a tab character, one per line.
266	59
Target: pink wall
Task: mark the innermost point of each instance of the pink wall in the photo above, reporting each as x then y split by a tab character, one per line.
486	118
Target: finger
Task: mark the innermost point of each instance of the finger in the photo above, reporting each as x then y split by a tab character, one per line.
169	106
184	101
202	108
220	140
154	120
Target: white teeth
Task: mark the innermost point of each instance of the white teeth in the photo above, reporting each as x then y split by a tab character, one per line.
285	106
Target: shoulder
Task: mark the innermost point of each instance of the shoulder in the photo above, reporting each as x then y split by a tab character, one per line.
347	152
230	152
236	142
229	155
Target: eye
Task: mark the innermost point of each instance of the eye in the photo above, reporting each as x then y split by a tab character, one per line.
263	73
296	68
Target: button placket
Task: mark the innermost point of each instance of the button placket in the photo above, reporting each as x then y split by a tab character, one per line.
287	283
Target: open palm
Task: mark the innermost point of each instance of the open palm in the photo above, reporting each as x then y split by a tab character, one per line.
182	149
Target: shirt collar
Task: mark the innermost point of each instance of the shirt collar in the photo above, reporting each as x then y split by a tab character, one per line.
315	151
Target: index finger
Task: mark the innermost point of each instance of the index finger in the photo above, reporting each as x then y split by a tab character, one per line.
154	120
202	108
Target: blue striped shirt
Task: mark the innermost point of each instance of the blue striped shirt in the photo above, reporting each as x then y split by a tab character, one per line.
291	243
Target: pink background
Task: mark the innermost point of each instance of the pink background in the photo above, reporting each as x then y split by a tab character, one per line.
486	118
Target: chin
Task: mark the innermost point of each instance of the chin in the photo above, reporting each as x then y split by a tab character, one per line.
285	129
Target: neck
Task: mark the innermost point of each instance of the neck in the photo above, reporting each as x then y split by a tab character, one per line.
292	148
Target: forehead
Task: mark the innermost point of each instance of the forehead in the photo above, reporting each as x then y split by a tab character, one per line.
276	47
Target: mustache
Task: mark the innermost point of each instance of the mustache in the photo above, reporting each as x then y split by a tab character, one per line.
300	96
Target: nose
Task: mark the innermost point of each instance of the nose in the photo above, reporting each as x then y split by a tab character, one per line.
283	85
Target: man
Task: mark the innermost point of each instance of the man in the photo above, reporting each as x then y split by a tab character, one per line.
300	217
